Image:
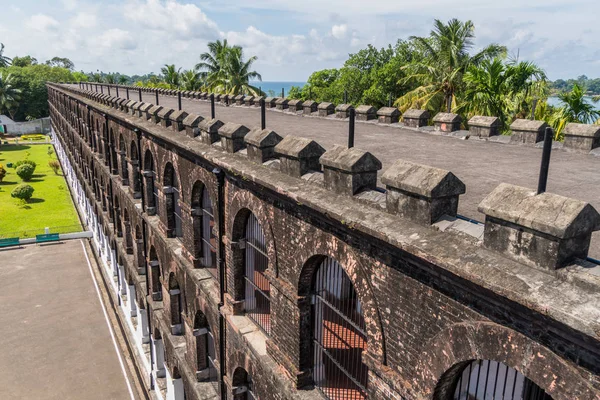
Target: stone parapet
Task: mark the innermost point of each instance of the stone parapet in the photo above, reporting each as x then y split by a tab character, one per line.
261	144
527	131
484	126
545	230
582	137
209	130
416	118
366	113
232	136
349	171
446	122
421	193
388	115
326	109
343	110
298	156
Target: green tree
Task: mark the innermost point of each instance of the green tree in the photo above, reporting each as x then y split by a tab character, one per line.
111	79
61	62
213	63
575	108
80	76
25	172
4	61
440	73
31	81
237	74
191	80
172	75
22	192
9	94
25	61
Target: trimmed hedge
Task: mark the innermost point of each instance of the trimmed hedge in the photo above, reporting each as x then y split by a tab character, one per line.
25	172
22	192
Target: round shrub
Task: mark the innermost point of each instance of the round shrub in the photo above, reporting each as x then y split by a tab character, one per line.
25	172
22	192
2	172
23	162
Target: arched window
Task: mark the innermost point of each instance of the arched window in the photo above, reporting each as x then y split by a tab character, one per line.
242	385
175	301
155	273
151	189
339	335
139	251
136	177
492	380
118	224
173	208
257	287
113	153
205	351
209	238
127	231
123	158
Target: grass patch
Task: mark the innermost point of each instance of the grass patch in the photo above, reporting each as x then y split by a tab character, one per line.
51	205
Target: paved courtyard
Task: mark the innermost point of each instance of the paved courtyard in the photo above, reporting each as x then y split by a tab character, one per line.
481	165
54	339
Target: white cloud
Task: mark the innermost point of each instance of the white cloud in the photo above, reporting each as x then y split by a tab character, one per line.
84	20
42	23
339	31
69	5
118	39
169	16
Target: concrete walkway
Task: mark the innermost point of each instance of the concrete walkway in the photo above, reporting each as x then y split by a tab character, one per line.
481	165
54	339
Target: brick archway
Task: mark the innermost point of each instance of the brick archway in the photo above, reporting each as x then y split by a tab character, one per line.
460	343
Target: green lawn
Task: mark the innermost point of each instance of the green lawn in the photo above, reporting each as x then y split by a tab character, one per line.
50	205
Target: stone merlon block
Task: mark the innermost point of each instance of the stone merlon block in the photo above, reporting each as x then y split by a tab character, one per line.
421	193
281	103
120	104
527	131
261	144
209	129
299	155
144	110
349	171
416	118
326	109
249	100
295	105
582	137
239	99
190	124
366	113
545	230
310	106
232	136
388	115
164	117
270	102
484	126
257	100
153	113
343	110
446	122
129	106
177	118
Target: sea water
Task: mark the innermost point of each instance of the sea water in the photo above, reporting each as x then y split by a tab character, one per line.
277	86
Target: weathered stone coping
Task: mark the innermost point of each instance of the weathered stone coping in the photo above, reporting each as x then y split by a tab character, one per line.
569	297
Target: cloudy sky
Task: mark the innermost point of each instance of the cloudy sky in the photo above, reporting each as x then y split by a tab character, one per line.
290	38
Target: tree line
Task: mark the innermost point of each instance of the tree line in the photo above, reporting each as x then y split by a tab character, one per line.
442	73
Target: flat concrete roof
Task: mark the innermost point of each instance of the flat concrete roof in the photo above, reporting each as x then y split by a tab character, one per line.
54	339
481	165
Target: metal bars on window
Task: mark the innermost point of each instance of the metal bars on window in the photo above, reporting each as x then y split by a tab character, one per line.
339	335
209	239
492	380
257	287
177	208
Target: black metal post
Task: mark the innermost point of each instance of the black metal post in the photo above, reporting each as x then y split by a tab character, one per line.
345	97
351	127
117	91
263	114
545	166
108	87
101	89
390	100
179	100
127	93
140	93
212	106
156	94
533	106
282	93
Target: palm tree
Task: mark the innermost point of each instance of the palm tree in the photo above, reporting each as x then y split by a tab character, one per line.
172	75
4	61
493	88
110	79
237	74
191	80
447	58
213	63
575	109
122	80
9	94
